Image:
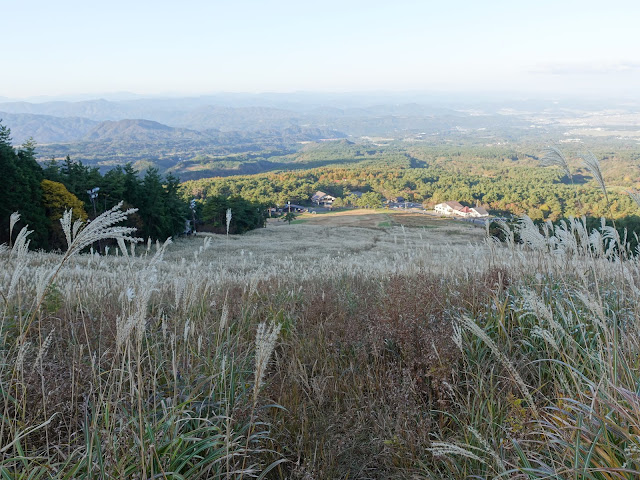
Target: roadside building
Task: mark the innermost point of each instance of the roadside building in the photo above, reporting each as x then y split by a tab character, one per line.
448	208
322	198
479	212
456	209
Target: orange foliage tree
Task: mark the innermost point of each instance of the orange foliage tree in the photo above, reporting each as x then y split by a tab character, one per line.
56	199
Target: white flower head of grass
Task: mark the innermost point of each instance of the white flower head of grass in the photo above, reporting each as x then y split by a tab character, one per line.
224	317
530	233
21	245
164	327
545	335
553	157
19	252
456	336
124	327
160	251
80	234
130	294
187	331
488	448
223	364
444	449
43	279
507	232
22	351
593	165
179	286
611	236
42	351
13	219
536	305
635	196
595	307
146	285
137	299
565	238
473	327
266	338
228	219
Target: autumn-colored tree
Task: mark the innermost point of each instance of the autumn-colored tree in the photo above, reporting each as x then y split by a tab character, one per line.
56	199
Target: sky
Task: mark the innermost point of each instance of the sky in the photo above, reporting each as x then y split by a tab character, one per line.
193	47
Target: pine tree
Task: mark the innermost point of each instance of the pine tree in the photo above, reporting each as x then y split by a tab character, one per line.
21	176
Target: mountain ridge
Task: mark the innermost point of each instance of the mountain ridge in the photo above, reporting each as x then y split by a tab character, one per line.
46	128
140	130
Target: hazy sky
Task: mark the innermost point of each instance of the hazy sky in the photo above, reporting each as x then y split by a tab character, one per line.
191	47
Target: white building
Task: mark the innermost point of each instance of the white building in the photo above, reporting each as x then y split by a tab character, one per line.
448	208
321	197
479	212
456	209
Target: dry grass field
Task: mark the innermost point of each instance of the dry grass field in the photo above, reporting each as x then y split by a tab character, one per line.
442	229
361	345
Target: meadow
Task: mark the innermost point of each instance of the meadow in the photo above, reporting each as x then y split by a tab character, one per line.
355	349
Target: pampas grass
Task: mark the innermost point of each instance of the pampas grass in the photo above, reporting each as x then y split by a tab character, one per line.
593	165
80	235
266	337
13	219
553	156
441	356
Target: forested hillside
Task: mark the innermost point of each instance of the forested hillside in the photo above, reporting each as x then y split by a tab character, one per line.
40	195
506	180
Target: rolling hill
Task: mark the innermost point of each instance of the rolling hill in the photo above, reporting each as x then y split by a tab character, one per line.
46	128
140	130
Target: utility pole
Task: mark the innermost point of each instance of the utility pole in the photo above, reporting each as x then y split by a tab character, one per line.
192	206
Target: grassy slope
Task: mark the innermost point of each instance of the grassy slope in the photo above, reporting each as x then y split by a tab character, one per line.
401	354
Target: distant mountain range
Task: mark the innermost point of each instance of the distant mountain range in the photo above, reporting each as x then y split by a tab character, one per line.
167	132
68	122
46	128
139	131
198	115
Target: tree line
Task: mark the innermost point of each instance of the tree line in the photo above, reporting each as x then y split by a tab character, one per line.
498	182
41	194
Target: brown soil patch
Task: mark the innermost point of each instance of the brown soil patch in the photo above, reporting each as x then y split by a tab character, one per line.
418	220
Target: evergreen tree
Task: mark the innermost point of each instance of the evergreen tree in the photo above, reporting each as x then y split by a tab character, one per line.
79	178
10	193
32	209
153	207
21	176
246	215
176	208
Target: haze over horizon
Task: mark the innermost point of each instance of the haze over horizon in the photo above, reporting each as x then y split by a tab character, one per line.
159	48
